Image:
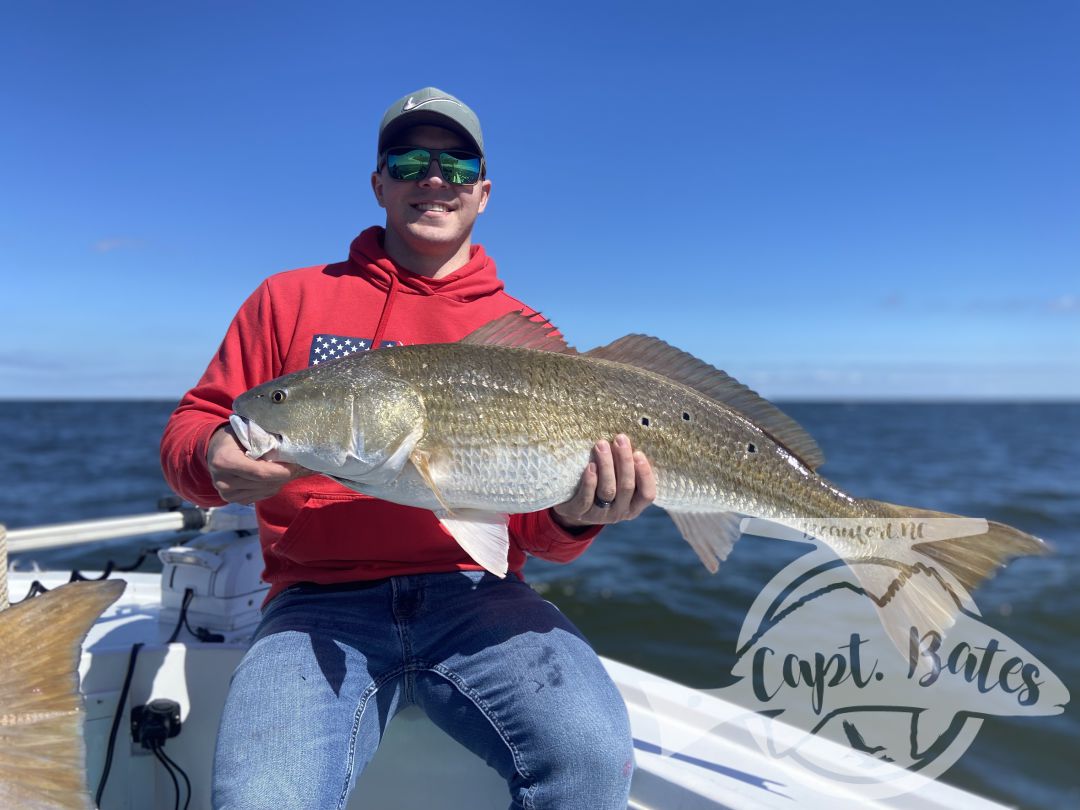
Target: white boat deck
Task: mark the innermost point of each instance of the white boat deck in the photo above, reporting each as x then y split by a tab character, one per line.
689	757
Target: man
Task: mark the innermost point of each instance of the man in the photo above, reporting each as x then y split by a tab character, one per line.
373	606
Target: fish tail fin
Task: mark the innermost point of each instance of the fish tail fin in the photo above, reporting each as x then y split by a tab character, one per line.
946	557
970	549
43	759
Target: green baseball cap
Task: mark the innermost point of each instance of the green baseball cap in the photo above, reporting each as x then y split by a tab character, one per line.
430	106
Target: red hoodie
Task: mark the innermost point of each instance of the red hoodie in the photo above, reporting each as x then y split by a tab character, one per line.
315	530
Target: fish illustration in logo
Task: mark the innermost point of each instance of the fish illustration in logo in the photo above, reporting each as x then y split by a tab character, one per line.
815	663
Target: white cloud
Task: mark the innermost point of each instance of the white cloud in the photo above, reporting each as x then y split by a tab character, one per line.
1066	303
116	243
895	301
917	381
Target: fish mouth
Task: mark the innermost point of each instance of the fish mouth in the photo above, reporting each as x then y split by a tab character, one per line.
256	441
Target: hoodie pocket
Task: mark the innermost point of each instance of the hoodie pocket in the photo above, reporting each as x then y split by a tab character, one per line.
319	532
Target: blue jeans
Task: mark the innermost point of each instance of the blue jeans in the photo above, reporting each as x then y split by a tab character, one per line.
498	668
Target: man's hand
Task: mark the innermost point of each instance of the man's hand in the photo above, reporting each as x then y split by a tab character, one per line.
617	485
239	479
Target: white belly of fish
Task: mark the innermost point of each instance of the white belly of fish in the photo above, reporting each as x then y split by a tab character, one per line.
507	479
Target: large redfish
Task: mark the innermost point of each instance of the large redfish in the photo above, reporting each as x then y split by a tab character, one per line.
504	421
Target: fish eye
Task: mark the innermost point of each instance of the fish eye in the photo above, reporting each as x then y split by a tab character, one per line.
279	395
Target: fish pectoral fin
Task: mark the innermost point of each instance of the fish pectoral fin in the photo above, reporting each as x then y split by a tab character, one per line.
353	463
483	535
710	534
421	460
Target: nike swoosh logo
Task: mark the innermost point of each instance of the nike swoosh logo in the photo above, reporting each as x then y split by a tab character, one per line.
412	103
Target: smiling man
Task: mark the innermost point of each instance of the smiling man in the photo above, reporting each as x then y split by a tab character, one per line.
429	221
373	606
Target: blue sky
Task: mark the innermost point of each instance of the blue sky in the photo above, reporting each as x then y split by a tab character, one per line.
829	200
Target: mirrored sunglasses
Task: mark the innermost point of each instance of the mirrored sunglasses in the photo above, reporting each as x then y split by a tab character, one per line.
409	163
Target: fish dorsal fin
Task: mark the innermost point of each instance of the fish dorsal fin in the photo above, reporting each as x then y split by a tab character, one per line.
653	354
520	331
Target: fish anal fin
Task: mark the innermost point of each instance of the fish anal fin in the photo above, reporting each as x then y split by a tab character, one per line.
519	330
710	534
653	354
484	536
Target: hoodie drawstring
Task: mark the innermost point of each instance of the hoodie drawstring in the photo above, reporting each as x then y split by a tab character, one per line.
384	318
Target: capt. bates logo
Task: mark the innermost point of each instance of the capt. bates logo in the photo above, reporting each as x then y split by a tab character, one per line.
815	661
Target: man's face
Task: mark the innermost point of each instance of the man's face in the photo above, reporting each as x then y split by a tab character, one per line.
429	215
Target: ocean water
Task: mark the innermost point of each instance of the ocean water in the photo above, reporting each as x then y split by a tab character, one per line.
640	594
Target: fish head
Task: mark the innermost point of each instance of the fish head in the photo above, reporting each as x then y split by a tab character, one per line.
355	421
